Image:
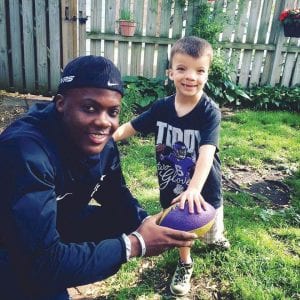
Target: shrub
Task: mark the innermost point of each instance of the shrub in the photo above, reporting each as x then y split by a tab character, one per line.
274	98
220	86
140	93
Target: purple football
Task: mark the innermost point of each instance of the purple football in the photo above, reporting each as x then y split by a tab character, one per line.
181	219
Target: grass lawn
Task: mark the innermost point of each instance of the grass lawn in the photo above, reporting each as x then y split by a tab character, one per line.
264	260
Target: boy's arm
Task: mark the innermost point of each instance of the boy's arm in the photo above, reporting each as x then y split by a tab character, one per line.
193	193
124	131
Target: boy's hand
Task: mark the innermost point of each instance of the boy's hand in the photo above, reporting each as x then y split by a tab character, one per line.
194	199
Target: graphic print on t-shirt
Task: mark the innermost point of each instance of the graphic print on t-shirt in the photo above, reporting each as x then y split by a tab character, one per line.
176	158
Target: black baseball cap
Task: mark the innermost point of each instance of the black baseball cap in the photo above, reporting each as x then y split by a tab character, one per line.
91	71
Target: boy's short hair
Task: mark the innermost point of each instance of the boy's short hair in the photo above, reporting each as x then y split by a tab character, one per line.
193	46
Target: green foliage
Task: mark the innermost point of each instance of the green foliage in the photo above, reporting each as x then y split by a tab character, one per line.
140	93
209	24
126	15
274	98
220	86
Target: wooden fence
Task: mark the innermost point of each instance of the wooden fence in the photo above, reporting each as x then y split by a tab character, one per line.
30	45
37	38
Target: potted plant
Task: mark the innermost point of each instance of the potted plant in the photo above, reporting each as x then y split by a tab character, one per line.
127	23
290	19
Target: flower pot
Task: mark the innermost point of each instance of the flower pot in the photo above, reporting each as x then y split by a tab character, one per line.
127	28
291	29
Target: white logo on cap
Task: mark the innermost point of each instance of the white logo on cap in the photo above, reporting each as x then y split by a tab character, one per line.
67	79
111	83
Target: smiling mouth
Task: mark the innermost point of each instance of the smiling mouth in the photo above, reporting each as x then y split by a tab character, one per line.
189	85
98	137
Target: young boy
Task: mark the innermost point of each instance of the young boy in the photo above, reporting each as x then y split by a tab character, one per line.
186	127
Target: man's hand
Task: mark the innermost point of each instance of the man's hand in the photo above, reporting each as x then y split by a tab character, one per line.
158	238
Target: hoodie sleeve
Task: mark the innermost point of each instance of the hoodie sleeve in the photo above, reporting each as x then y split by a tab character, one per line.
28	212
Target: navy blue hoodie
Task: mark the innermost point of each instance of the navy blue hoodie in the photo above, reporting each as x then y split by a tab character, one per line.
45	183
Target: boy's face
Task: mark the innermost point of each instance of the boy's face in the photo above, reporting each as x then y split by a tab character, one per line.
90	116
189	74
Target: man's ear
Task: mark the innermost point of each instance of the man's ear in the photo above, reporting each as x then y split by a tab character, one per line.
59	102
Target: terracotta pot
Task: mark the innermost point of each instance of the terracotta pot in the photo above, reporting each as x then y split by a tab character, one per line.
127	28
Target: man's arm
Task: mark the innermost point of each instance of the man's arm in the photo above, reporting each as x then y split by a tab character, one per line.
124	131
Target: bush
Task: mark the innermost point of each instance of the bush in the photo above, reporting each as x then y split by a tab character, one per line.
140	93
220	86
274	98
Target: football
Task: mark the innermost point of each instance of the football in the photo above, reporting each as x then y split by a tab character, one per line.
181	219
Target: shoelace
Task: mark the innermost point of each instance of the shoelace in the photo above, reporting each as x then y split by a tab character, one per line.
181	274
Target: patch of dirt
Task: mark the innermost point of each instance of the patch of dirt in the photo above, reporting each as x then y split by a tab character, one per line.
267	183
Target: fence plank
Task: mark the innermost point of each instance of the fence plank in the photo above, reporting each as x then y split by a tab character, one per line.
41	45
69	30
162	55
193	13
280	39
150	31
4	73
261	39
96	17
251	29
227	34
81	27
54	44
136	48
288	69
296	76
238	37
28	42
177	22
123	46
110	17
16	47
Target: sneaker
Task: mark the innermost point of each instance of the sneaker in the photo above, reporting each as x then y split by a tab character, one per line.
221	244
181	281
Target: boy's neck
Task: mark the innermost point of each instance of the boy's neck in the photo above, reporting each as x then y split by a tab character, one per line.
183	104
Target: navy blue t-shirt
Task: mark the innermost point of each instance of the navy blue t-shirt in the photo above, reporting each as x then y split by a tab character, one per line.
177	141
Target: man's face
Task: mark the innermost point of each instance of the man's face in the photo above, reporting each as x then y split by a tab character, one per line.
90	116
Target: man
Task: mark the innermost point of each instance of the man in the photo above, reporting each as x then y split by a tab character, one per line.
53	162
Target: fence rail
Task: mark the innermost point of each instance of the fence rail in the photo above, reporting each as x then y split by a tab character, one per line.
37	38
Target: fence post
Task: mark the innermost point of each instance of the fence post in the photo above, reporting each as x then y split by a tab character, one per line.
109	27
54	44
69	30
28	41
82	27
41	46
136	48
16	47
4	74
